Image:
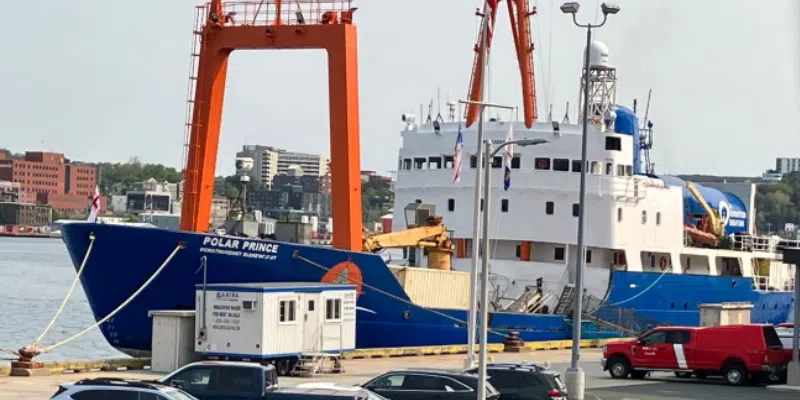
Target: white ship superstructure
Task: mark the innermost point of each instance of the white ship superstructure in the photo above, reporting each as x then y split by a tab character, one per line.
635	223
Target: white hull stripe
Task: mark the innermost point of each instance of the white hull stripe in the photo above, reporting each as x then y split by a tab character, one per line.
680	356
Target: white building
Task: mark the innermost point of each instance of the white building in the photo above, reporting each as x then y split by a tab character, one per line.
786	165
270	161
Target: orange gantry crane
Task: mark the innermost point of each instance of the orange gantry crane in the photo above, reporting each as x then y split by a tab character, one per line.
519	14
221	28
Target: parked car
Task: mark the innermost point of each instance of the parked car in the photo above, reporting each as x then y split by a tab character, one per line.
325	390
118	389
737	352
424	384
525	381
207	380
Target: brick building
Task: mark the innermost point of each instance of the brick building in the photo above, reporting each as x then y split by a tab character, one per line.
52	179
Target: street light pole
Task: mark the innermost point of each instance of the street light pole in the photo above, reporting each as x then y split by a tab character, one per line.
476	223
575	377
484	302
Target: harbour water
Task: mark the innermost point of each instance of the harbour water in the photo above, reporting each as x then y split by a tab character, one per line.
35	275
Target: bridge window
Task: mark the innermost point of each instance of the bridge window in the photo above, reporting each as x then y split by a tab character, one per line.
619	214
449	162
576	209
558	254
497	162
451	205
596	168
407	163
658	218
561	164
549	208
473	162
515	162
542	163
588	256
613	143
419	163
504	205
435	163
629	170
576	165
644	217
620	170
609	168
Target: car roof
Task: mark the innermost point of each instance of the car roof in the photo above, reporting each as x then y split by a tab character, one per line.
230	364
120	383
431	371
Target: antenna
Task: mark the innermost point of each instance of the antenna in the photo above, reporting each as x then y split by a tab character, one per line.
428	119
646	137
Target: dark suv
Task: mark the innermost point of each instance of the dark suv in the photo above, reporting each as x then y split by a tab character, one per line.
524	381
424	384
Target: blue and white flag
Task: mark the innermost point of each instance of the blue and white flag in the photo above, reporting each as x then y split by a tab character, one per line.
458	157
508	157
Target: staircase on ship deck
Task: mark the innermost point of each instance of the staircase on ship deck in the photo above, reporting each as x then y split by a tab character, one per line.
600	312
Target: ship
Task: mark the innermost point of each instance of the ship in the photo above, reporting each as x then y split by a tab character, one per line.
657	246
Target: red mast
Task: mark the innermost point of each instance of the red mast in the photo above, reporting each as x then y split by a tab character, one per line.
521	30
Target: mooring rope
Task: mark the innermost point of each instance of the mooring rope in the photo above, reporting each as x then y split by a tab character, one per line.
124	303
642	292
69	293
297	255
10	351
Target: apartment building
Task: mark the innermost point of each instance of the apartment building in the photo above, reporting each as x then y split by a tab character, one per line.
269	161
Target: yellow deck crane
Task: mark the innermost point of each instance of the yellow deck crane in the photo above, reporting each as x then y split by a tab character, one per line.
432	235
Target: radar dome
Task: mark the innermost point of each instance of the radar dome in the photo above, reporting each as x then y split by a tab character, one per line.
598	55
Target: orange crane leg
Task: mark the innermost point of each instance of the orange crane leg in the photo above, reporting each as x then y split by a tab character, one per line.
521	31
339	41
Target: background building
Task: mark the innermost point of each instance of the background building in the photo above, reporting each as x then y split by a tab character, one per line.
270	161
52	179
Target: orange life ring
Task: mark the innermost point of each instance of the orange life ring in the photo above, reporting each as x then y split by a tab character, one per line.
663	263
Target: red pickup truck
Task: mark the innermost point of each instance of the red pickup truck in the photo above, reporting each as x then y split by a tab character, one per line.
737	352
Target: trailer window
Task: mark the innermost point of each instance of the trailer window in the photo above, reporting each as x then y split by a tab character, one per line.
287	310
333	309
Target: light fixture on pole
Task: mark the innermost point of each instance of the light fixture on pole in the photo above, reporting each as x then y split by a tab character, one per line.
484	309
575	378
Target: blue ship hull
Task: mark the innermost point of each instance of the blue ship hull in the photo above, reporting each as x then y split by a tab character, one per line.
123	258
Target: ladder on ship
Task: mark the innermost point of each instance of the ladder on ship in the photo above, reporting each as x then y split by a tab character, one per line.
194	65
566	300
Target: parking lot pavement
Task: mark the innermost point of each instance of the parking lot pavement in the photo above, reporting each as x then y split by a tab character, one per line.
600	386
688	390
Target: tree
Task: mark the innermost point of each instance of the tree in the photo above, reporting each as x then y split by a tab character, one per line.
113	178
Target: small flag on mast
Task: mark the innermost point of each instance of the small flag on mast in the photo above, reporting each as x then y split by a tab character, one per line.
458	157
95	209
508	157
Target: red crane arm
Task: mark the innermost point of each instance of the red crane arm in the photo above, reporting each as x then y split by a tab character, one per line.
476	80
521	31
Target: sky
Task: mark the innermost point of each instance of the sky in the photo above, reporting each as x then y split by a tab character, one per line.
107	80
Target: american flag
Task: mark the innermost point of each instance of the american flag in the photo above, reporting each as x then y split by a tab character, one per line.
95	205
508	157
458	158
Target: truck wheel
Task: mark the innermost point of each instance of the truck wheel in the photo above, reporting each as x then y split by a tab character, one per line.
683	374
618	367
282	366
735	374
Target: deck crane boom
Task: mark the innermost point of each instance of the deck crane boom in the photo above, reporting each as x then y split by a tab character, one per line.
519	15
